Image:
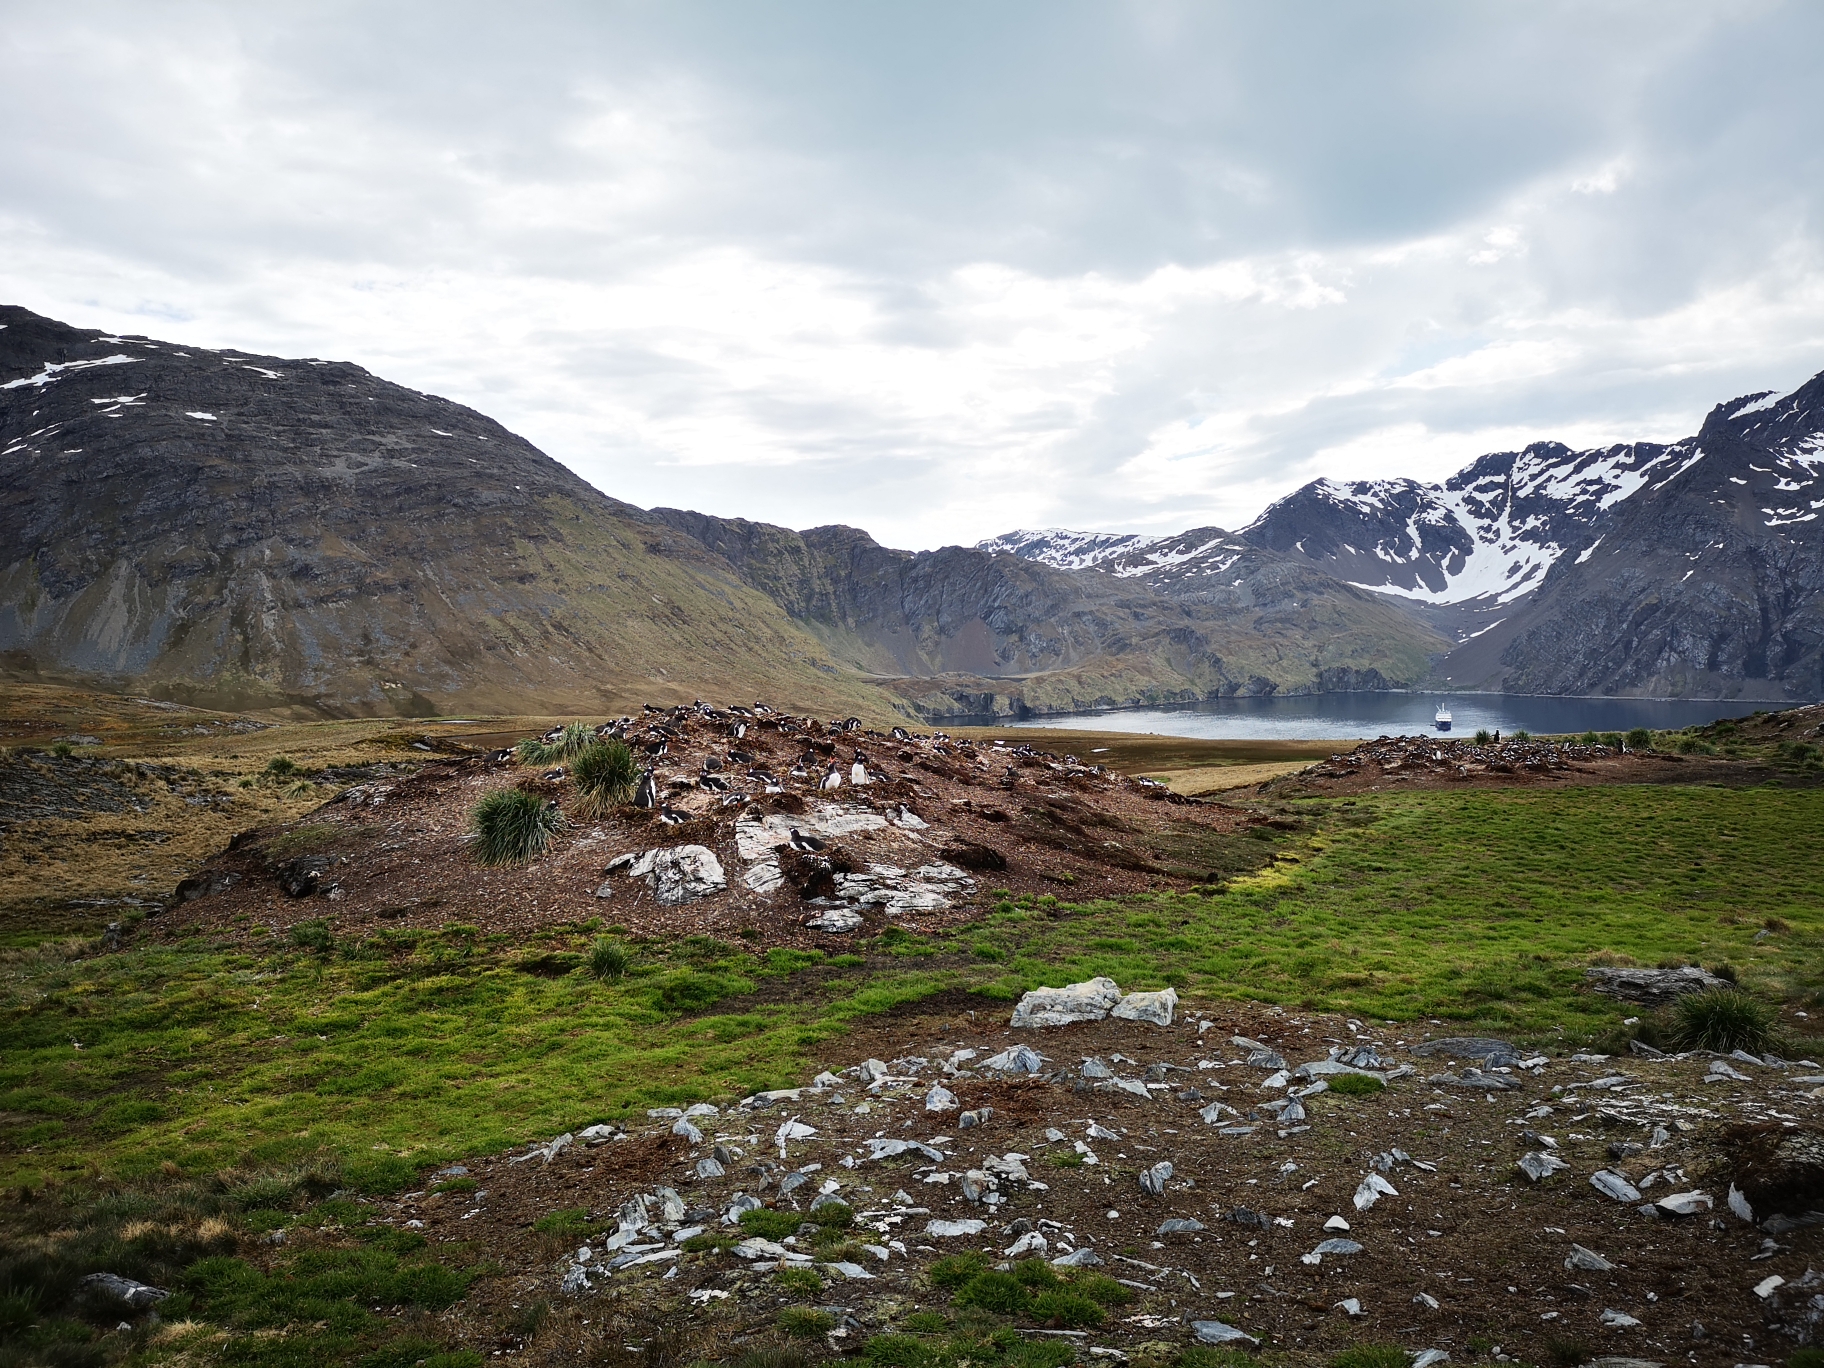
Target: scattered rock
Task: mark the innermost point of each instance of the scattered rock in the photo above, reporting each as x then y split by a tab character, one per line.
1154	1008
940	1099
679	874
1653	987
1154	1179
1588	1260
1021	1059
1684	1203
1216	1332
1540	1165
1489	1052
1614	1185
1079	1258
1090	1000
946	1230
1181	1225
112	1287
836	920
1371	1190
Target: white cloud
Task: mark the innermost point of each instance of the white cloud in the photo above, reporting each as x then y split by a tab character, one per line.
945	277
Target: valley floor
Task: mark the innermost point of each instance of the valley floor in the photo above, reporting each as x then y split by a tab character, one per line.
236	1110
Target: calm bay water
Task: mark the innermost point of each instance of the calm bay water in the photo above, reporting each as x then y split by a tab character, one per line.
1363	716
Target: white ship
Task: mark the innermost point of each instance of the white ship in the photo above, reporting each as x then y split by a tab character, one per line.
1442	720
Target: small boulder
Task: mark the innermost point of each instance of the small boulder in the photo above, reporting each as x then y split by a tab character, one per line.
1090	1000
1154	1008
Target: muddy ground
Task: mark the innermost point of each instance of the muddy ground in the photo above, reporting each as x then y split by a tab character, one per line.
981	818
1462	1228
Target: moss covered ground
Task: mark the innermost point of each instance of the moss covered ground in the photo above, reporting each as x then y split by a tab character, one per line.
129	1074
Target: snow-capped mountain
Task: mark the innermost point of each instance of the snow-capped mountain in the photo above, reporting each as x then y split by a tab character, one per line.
1544	565
1064	550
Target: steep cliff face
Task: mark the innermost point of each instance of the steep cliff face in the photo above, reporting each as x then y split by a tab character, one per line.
1709	582
248	531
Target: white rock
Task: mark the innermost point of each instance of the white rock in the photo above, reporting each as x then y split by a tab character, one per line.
1614	1185
1538	1165
1086	1001
944	1230
1371	1190
1685	1203
1154	1008
836	920
1021	1059
940	1099
1764	1288
1030	1243
1216	1332
1429	1358
765	877
1740	1205
1336	1223
1618	1320
688	1131
1078	1258
679	874
1588	1260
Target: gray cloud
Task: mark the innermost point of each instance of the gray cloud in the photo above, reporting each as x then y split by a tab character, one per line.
943	270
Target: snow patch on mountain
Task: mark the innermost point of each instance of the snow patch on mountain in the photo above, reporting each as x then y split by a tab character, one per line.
1066	550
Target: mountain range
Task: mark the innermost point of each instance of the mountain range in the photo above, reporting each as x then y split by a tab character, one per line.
248	531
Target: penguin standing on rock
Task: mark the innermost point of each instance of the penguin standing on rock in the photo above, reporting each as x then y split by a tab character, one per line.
646	792
832	779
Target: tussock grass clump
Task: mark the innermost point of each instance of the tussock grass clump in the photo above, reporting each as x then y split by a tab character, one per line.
1723	1019
1371	1356
804	1322
512	826
605	775
1640	739
769	1224
799	1281
572	741
1355	1085
1066	1310
609	959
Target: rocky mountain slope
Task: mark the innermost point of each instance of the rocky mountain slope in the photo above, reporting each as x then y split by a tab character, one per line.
1684	569
251	532
969	631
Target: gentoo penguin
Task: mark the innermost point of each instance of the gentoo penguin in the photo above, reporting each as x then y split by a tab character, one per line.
714	782
858	772
555	773
657	748
740	758
711	764
670	816
901	734
738	730
851	724
832	779
760	776
646	792
805	843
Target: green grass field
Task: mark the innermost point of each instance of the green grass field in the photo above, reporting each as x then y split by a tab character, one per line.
398	1050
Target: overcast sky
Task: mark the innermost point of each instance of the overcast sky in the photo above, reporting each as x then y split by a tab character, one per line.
942	270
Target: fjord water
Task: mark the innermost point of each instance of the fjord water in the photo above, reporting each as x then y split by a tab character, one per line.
1363	716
